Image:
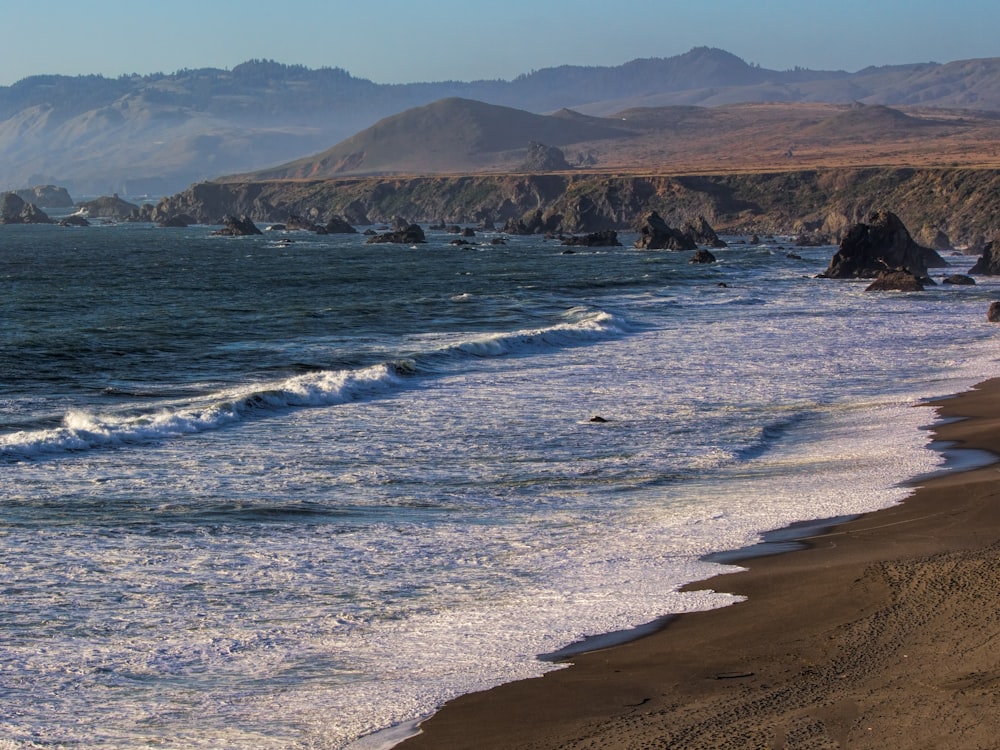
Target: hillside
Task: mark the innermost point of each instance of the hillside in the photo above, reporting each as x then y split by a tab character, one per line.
459	136
159	133
451	135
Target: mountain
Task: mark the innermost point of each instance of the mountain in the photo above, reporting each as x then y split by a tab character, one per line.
459	136
450	135
158	133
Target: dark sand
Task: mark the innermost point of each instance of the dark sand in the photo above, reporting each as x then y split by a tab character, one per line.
883	633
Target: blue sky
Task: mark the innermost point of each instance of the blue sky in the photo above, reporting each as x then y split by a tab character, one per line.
397	41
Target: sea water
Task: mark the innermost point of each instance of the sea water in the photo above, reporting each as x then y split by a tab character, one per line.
268	494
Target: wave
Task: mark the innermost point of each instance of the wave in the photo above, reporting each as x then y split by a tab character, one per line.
81	430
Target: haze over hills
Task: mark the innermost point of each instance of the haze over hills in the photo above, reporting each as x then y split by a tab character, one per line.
159	133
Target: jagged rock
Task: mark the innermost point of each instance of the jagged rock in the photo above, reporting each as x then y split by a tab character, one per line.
881	245
899	280
702	233
532	223
74	220
410	235
13	210
656	234
993	314
108	207
339	225
989	262
607	238
237	227
178	221
702	256
959	279
49	196
542	158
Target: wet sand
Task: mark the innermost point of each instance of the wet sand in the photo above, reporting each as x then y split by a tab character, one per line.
883	632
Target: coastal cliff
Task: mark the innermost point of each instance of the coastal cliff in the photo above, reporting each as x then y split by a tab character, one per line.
960	203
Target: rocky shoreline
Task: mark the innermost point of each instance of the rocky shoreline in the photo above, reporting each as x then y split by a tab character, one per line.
944	207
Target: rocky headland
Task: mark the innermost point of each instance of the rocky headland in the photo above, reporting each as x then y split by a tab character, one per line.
943	207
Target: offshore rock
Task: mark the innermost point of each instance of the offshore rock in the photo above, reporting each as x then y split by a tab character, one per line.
881	245
959	279
109	207
339	225
993	314
13	210
74	220
896	281
608	238
702	233
989	262
237	227
702	256
178	221
49	196
656	234
411	235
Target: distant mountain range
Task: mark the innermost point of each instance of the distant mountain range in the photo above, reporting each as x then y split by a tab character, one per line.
158	133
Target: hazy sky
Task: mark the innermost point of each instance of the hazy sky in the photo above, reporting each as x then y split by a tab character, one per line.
397	41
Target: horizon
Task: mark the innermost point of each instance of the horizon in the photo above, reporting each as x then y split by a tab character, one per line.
449	45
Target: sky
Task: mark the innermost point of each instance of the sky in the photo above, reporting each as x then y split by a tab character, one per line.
401	41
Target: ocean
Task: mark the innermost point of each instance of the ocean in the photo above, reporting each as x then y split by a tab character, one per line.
267	494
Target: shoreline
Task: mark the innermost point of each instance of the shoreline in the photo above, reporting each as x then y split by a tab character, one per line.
809	658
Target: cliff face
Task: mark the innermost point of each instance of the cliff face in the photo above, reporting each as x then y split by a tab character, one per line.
964	204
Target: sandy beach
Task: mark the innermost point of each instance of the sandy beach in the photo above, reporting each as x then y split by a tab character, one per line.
882	632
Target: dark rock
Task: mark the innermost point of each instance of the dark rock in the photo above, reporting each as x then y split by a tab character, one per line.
13	210
881	245
108	207
48	196
812	240
989	262
459	242
656	234
598	419
607	238
702	256
702	233
410	235
74	220
178	221
899	280
993	314
793	256
468	232
369	233
339	225
237	227
754	240
542	158
498	241
960	279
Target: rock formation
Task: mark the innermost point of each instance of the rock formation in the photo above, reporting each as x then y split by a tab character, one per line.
989	262
48	196
993	314
74	220
13	210
702	233
236	227
338	225
109	207
656	234
607	238
410	235
882	244
959	279
702	256
899	280
542	158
